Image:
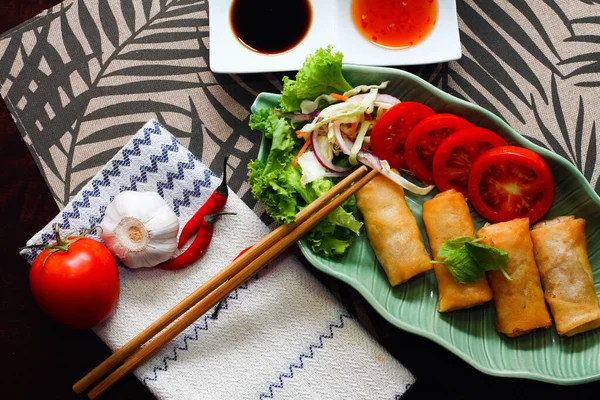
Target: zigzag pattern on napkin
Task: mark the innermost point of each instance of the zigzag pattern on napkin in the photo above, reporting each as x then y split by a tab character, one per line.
204	325
195	192
197	327
308	354
134	149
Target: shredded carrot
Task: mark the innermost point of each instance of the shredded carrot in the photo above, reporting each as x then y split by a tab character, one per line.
339	97
302	150
353	130
299	134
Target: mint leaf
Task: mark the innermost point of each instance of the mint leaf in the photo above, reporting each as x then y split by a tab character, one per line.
467	260
488	258
463	267
454	244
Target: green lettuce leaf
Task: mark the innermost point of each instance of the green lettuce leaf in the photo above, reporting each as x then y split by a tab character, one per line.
336	233
345	215
275	184
274	191
261	122
268	122
320	74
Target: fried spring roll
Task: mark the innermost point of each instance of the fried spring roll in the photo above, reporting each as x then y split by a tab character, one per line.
560	249
392	230
520	305
447	217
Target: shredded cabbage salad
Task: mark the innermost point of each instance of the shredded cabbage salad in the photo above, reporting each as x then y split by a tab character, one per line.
320	133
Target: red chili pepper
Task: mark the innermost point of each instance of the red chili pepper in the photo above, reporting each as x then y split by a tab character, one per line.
214	204
198	246
242	252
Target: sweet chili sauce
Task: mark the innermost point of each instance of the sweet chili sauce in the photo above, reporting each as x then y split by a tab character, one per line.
394	23
270	26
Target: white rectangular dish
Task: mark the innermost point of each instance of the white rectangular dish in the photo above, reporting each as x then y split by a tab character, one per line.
331	25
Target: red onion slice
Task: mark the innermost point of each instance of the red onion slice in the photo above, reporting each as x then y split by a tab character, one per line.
320	155
369	159
342	140
364	156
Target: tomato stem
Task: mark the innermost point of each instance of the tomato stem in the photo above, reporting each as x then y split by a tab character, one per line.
59	240
62	244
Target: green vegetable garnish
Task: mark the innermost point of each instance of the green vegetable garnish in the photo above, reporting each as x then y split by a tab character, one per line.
455	244
320	74
334	235
487	257
277	183
467	260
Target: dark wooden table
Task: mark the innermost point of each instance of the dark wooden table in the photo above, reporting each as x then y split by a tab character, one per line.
41	359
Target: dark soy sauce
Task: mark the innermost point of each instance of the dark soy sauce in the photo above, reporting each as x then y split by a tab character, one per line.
270	26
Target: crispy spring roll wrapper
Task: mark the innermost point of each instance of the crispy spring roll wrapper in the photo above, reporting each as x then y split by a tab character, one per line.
560	249
520	305
447	217
392	230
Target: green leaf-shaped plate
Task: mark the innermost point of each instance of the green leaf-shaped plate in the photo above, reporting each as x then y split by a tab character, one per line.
412	306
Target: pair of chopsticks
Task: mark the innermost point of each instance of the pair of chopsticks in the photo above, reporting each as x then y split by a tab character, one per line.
218	287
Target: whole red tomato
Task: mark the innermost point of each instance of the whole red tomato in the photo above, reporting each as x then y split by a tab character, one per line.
77	285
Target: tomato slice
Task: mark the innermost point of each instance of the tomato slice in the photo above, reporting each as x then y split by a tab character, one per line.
511	182
424	139
391	130
455	156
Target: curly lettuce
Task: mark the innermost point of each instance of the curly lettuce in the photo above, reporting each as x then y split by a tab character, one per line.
278	184
320	74
334	235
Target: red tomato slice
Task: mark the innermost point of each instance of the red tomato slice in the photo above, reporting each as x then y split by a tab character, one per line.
455	156
391	130
511	182
424	139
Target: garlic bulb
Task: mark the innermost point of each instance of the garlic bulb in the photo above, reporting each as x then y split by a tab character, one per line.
140	229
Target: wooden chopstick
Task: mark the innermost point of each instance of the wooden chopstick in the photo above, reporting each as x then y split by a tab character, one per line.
234	268
223	290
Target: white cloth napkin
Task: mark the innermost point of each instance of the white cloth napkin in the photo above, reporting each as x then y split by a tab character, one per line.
279	335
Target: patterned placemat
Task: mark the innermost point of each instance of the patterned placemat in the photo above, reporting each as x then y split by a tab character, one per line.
81	77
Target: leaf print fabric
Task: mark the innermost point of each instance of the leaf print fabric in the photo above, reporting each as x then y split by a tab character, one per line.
81	78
